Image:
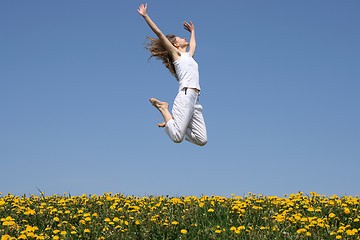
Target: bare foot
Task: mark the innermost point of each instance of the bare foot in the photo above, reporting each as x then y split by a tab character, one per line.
163	123
158	104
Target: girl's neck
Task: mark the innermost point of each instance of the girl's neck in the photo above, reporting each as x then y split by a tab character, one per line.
183	49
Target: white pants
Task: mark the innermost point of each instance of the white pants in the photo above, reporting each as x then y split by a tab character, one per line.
188	119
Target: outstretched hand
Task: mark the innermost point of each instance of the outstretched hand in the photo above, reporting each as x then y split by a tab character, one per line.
189	27
142	10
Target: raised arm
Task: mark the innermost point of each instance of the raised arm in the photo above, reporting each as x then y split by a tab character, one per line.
192	45
168	45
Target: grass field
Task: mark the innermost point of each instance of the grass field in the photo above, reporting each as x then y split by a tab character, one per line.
115	216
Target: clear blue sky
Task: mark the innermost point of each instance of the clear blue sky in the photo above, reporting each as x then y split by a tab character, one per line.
280	87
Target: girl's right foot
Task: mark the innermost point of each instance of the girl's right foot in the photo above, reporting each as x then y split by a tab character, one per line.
163	108
161	124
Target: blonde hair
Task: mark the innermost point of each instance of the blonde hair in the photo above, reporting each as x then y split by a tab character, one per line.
158	50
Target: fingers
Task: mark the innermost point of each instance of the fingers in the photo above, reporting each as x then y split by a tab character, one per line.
142	9
188	25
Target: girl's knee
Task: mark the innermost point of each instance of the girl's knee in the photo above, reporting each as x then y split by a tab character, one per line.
202	142
178	138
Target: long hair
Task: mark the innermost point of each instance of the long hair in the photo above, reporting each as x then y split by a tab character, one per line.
158	50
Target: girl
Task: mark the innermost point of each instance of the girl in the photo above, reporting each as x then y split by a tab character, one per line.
187	119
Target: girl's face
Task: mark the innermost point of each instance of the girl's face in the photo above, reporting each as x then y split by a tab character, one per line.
182	42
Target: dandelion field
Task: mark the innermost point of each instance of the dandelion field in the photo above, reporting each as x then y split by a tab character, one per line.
109	216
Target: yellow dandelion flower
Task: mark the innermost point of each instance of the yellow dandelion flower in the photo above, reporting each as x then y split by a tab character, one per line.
174	223
218	231
332	215
211	210
30	211
321	224
137	222
6	237
63	233
86	231
8	223
183	231
338	237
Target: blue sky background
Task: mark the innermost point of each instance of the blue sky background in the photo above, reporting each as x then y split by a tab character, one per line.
280	91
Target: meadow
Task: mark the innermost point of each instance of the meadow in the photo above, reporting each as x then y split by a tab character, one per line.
115	216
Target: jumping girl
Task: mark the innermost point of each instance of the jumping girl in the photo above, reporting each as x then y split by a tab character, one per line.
187	119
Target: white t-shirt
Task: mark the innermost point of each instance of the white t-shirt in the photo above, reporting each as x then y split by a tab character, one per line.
187	70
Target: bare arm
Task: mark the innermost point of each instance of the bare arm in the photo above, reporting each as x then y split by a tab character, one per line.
168	45
192	44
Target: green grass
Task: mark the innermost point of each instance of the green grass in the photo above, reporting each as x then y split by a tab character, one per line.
156	217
